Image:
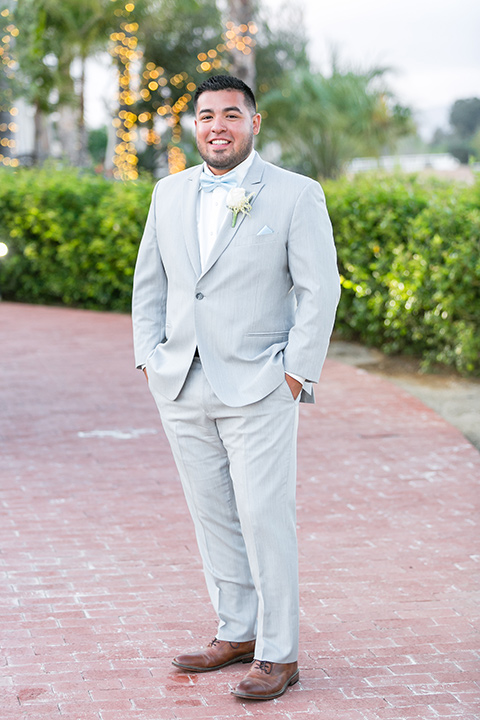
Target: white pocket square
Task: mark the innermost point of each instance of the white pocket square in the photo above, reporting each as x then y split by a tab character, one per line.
265	231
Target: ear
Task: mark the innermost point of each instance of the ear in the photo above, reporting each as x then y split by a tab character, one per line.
256	121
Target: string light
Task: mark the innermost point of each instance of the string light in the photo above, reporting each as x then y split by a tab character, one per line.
9	32
125	50
236	37
153	90
176	159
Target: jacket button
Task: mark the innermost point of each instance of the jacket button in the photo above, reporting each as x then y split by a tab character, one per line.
199	296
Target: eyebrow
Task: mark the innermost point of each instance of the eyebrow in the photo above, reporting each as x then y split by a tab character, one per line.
224	110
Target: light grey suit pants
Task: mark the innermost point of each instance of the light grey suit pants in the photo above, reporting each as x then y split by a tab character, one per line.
238	471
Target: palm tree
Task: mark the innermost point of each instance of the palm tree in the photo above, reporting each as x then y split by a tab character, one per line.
37	69
53	34
322	122
81	28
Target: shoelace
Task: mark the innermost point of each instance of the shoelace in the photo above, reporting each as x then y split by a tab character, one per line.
264	666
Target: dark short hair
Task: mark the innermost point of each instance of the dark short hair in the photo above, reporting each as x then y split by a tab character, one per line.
225	82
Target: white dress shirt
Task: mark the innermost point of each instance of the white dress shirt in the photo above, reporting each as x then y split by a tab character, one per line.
212	209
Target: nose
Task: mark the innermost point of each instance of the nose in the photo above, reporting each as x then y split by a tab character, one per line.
218	124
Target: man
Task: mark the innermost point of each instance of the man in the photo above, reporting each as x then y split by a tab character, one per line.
234	302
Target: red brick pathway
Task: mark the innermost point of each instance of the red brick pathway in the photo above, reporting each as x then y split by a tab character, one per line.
100	579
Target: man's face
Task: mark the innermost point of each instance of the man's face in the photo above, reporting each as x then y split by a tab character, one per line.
225	126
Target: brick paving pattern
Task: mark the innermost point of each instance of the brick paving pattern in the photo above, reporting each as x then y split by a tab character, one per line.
101	582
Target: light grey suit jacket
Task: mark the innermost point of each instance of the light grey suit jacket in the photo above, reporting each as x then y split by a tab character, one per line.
264	303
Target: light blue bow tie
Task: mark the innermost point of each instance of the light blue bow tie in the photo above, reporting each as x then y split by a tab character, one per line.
210	182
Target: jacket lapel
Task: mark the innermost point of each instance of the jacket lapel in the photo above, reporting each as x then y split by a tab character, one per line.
189	217
253	185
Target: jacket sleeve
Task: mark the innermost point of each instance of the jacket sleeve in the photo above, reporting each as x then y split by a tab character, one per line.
149	292
312	263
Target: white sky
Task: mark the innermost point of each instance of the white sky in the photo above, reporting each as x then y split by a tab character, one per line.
433	46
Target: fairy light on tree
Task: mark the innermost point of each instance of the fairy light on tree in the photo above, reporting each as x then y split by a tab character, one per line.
176	157
157	99
8	111
236	38
155	92
240	41
153	80
126	51
239	38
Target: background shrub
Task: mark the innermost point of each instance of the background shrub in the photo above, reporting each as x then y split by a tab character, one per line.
408	252
409	257
72	237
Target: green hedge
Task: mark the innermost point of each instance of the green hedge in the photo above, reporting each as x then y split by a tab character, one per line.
408	252
72	237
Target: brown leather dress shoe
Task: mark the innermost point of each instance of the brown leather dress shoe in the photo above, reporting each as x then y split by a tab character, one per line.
218	654
266	680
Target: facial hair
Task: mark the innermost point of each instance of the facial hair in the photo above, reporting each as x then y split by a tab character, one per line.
230	161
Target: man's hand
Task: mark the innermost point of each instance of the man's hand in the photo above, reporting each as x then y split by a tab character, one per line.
294	385
145	373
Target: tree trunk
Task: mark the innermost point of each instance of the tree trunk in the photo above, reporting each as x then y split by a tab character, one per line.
67	133
5	134
82	140
41	144
112	140
241	12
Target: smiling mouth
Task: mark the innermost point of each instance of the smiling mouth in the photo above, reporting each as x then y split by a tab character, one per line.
219	143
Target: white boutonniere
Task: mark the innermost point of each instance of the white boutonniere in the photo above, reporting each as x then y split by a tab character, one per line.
237	201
